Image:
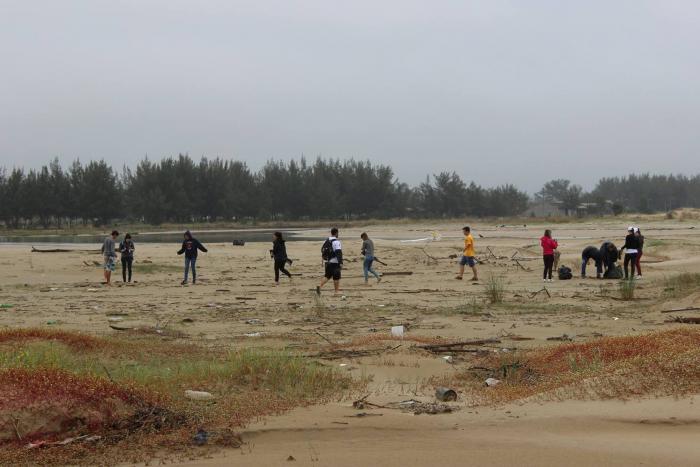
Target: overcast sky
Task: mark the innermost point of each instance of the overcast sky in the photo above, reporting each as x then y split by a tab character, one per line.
498	91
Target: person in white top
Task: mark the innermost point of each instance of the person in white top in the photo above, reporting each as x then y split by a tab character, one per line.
332	254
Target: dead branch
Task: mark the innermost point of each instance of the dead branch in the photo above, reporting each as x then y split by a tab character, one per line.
680	310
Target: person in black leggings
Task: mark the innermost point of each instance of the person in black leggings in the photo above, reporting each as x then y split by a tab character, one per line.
279	255
549	245
126	248
631	248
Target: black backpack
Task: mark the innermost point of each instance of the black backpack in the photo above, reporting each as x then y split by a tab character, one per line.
327	251
614	272
565	273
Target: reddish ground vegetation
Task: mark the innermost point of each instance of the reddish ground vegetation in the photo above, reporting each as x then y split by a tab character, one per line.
656	364
74	340
44	403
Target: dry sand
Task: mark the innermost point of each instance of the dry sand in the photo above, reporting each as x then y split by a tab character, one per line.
236	286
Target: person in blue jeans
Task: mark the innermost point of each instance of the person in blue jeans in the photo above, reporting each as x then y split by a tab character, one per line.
190	247
368	253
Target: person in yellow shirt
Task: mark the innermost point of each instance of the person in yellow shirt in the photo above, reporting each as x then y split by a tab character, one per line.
468	256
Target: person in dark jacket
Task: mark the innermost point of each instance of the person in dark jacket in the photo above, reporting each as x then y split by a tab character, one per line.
190	247
631	248
126	248
592	253
279	255
639	235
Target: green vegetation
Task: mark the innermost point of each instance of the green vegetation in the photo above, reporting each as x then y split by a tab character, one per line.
627	288
495	289
118	381
180	190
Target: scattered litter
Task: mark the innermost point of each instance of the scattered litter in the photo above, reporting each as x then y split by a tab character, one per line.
115	319
5	306
364	414
254	322
432	409
199	395
448	358
445	394
252	334
343	365
397	331
615	318
201	438
51	321
84	438
490	382
92	289
343	297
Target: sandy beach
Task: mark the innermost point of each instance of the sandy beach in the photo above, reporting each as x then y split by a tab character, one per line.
235	304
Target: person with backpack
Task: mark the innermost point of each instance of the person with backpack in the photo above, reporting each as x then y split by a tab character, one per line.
332	254
368	253
631	248
190	247
109	255
468	255
279	256
548	246
126	248
639	235
592	253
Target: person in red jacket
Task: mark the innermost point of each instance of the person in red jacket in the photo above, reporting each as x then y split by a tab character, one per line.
548	247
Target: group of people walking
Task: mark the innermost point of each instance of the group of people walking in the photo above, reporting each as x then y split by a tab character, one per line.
604	258
331	253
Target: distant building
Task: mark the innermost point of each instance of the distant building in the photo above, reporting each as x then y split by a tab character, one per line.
544	208
549	208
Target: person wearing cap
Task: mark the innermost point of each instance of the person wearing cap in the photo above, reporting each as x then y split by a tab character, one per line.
631	248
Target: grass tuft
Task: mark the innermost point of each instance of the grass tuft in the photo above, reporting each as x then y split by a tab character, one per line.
627	288
495	289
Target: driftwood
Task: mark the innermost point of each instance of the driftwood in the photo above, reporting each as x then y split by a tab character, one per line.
61	250
455	346
543	289
523	267
680	310
397	273
685	320
562	338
